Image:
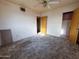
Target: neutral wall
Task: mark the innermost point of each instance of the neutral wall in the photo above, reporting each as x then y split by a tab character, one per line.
54	21
22	24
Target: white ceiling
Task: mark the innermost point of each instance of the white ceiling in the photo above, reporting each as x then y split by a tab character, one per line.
36	6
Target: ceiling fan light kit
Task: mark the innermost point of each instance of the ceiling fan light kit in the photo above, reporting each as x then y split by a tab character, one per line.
44	3
47	3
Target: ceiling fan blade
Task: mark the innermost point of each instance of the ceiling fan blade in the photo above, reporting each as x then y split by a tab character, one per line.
38	5
54	2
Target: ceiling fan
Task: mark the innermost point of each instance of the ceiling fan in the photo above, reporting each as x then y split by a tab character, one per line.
47	3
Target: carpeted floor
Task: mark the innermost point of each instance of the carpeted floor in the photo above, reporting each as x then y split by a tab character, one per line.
48	47
41	47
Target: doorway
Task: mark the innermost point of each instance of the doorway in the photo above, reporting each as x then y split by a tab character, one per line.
42	25
67	17
78	38
38	24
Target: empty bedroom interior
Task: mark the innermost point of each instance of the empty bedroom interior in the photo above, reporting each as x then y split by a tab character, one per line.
39	29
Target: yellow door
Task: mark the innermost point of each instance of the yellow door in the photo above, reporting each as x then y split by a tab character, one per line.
44	24
74	26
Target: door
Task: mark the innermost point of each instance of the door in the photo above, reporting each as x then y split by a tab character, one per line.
44	24
74	26
67	17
